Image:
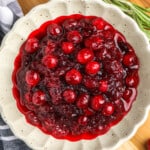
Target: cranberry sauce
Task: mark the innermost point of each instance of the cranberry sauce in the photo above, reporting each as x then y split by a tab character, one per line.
75	77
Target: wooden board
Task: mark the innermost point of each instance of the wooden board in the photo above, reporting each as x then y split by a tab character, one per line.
137	142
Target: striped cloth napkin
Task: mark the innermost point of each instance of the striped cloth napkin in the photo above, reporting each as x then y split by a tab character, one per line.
10	11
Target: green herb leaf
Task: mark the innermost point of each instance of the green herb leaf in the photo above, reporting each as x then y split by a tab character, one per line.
138	13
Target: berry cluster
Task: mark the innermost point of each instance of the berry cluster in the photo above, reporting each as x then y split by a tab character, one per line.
77	77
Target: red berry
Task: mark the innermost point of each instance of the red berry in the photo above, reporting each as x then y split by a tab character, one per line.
129	59
32	45
51	46
88	111
94	43
108	109
54	30
74	37
90	83
32	77
50	61
127	94
73	77
70	24
132	80
97	102
38	98
103	86
83	100
67	47
83	120
69	96
99	23
104	54
92	67
32	118
28	97
84	56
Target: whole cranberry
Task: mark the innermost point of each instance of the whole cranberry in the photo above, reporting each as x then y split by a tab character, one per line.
50	47
97	102
103	86
92	67
127	94
70	24
93	43
89	111
28	97
67	47
74	37
132	80
84	56
38	98
32	118
73	77
69	96
90	83
32	77
99	23
104	54
113	66
54	30
83	120
32	45
50	61
129	59
108	109
83	100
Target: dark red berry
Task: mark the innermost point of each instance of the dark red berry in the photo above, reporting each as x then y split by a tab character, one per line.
90	83
33	118
103	86
50	47
54	30
108	109
132	80
50	61
97	102
89	111
74	37
92	67
69	96
113	66
70	24
32	77
83	120
129	59
104	54
83	100
127	94
73	77
99	23
67	47
94	43
28	97
84	56
32	45
38	98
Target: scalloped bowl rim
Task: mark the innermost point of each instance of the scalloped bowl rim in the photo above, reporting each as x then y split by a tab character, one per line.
106	6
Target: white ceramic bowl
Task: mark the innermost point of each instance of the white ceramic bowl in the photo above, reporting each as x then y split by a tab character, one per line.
32	136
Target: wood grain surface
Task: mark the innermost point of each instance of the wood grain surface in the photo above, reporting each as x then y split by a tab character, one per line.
138	141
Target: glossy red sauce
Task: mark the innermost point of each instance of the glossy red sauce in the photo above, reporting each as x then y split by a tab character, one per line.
85	102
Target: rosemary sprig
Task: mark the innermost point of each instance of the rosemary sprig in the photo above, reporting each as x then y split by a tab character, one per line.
138	13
